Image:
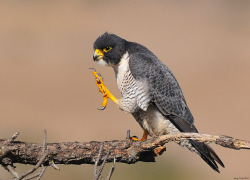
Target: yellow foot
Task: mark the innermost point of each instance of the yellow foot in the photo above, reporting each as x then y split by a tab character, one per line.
103	89
160	150
144	137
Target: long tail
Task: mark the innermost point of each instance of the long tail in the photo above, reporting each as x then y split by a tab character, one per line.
205	151
207	154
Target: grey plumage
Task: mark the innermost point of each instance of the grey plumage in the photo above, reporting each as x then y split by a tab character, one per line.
151	93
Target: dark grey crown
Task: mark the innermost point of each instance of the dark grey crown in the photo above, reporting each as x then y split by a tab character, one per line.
118	45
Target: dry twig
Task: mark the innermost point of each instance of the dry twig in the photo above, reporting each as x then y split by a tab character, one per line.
12	171
111	170
98	174
43	156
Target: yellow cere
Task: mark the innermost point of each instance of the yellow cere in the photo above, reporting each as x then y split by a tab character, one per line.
98	52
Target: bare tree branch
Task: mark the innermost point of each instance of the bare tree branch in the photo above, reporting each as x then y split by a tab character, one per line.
97	174
52	164
13	137
12	171
125	151
222	140
111	170
42	172
43	155
38	175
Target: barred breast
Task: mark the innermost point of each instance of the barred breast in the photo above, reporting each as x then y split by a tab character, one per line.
134	93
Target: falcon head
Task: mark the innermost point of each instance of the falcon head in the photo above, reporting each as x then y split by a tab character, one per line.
109	49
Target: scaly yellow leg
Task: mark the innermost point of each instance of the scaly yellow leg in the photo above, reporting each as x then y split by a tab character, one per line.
103	89
144	136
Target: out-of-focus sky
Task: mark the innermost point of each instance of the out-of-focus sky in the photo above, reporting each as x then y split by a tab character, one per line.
46	50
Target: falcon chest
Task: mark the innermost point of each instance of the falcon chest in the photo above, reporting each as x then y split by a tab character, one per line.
127	85
124	77
135	94
135	99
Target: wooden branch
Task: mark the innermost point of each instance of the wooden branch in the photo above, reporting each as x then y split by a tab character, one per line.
111	170
124	151
11	168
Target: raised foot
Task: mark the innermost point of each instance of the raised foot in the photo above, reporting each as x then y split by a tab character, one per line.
103	89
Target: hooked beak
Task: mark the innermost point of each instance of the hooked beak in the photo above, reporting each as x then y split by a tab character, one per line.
98	55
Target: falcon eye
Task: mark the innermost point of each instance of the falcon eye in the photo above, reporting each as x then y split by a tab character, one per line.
107	49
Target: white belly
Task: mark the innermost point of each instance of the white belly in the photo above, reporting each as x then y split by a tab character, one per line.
155	123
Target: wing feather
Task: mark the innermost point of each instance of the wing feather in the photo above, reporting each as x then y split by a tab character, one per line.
166	95
164	89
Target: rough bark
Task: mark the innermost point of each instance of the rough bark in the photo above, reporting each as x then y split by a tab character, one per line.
124	151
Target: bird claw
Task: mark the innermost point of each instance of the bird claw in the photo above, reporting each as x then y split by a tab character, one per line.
99	79
98	76
144	137
159	150
134	138
103	89
104	107
93	69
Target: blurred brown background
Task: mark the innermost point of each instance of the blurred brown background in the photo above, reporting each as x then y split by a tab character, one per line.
45	83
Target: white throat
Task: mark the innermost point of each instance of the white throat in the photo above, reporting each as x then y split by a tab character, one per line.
102	62
122	66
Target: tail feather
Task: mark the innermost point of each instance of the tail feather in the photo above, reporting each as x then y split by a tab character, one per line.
215	156
207	154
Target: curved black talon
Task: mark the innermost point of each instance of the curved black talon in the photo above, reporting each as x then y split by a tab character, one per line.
100	76
104	107
134	137
92	69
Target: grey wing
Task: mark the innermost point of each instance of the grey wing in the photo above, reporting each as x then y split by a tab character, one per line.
167	96
164	89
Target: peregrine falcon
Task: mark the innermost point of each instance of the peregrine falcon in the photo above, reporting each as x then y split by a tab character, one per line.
150	92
